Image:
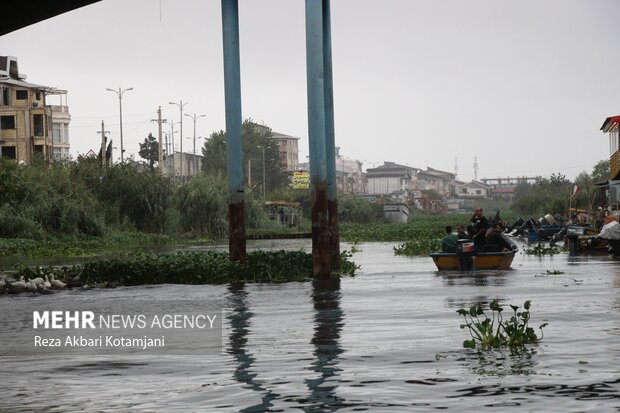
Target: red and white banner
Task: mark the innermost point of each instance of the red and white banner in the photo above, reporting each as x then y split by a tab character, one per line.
575	190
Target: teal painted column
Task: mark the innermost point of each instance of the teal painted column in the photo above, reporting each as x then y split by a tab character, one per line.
321	266
330	140
234	151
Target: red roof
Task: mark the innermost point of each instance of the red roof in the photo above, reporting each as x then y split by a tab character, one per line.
610	121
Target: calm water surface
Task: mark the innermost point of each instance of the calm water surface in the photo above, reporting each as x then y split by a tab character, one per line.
385	340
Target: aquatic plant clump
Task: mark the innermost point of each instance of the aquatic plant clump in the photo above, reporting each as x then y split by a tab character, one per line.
541	250
495	331
212	267
418	247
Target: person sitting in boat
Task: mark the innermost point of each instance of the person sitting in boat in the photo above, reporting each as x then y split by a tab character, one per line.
448	242
460	232
610	230
494	241
479	228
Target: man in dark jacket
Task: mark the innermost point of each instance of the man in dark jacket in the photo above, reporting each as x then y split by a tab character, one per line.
460	232
494	240
479	228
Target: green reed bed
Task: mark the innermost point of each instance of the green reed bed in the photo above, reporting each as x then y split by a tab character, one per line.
212	267
418	227
69	246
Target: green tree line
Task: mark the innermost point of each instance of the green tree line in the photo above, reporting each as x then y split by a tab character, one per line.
555	193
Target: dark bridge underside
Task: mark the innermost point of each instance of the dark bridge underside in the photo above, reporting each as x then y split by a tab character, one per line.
24	13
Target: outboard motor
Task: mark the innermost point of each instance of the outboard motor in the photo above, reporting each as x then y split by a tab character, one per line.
465	252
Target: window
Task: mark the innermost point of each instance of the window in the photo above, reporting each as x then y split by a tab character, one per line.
463	190
478	191
8	152
613	141
4	99
65	128
37	95
56	133
21	94
7	122
37	121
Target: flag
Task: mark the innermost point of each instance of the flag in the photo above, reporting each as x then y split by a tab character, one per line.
575	190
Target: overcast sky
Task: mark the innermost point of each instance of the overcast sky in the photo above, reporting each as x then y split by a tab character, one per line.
523	85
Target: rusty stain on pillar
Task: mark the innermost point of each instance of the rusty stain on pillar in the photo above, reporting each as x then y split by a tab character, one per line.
330	140
234	152
321	260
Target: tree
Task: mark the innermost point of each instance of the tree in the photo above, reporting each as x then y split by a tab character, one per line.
254	138
149	150
546	195
587	194
601	171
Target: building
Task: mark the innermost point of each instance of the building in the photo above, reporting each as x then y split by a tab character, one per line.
610	190
444	183
183	164
391	179
504	188
289	150
349	176
29	127
473	190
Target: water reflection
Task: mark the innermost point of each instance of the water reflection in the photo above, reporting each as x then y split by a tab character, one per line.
328	319
466	303
502	362
604	390
475	278
239	319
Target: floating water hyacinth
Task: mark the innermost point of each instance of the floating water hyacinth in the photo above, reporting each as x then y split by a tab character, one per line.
496	331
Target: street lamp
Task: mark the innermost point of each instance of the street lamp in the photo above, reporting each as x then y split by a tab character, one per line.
180	105
120	92
195	118
264	183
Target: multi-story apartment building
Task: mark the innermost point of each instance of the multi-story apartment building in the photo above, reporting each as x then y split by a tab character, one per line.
442	182
349	177
391	179
30	128
289	150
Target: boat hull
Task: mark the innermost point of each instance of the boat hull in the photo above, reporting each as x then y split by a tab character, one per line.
481	261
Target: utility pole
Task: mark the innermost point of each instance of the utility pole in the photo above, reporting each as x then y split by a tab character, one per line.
180	105
103	146
159	121
171	151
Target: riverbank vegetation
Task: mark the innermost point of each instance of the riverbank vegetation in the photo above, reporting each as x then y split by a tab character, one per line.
211	267
80	208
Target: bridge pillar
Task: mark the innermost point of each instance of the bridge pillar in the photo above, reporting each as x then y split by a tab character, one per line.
234	151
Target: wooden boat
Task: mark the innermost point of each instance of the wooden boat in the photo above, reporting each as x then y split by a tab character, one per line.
446	261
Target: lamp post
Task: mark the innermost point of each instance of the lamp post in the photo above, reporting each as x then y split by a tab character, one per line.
264	183
180	105
119	93
195	117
